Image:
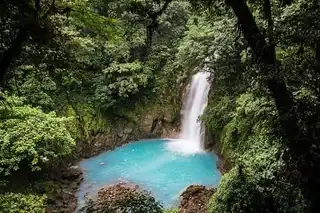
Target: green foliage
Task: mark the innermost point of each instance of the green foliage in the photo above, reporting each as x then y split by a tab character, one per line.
241	190
194	46
30	138
236	121
245	134
218	113
95	24
35	86
258	183
22	203
235	193
249	117
99	59
119	82
103	60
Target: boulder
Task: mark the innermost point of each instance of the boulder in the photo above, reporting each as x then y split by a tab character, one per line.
120	134
195	199
73	173
63	199
128	130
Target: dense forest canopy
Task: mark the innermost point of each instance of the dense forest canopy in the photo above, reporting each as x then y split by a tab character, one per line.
69	69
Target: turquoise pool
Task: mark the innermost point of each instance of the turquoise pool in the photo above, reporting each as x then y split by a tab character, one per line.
153	166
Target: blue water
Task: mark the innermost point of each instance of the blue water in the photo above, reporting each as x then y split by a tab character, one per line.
152	166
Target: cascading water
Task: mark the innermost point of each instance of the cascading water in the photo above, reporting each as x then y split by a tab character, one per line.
196	102
191	137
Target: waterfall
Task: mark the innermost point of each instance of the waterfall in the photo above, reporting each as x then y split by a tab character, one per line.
194	107
192	134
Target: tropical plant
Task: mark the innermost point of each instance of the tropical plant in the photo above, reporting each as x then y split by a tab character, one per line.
29	138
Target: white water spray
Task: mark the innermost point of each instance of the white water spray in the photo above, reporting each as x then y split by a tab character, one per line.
192	134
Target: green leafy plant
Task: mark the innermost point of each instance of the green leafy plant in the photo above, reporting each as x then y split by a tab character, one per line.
29	138
22	203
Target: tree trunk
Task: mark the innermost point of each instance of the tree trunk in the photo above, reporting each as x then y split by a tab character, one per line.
317	67
268	17
9	55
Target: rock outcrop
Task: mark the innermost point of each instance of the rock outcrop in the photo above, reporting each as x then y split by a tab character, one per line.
195	199
62	198
123	132
123	197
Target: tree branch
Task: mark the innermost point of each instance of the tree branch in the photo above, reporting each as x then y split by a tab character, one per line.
11	52
285	2
164	7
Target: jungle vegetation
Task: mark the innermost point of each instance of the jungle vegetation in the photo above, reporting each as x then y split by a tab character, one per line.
69	69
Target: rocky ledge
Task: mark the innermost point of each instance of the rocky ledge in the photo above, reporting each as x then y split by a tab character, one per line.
195	199
62	198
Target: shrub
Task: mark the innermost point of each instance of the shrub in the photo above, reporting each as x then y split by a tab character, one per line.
241	191
259	183
21	203
30	138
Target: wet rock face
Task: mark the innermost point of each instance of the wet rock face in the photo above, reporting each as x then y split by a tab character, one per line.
195	199
124	132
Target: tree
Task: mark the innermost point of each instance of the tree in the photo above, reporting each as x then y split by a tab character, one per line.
26	20
22	203
29	138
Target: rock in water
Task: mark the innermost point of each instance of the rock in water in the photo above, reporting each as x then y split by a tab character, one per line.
195	199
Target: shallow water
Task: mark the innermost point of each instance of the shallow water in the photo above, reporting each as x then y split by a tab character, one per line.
154	166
